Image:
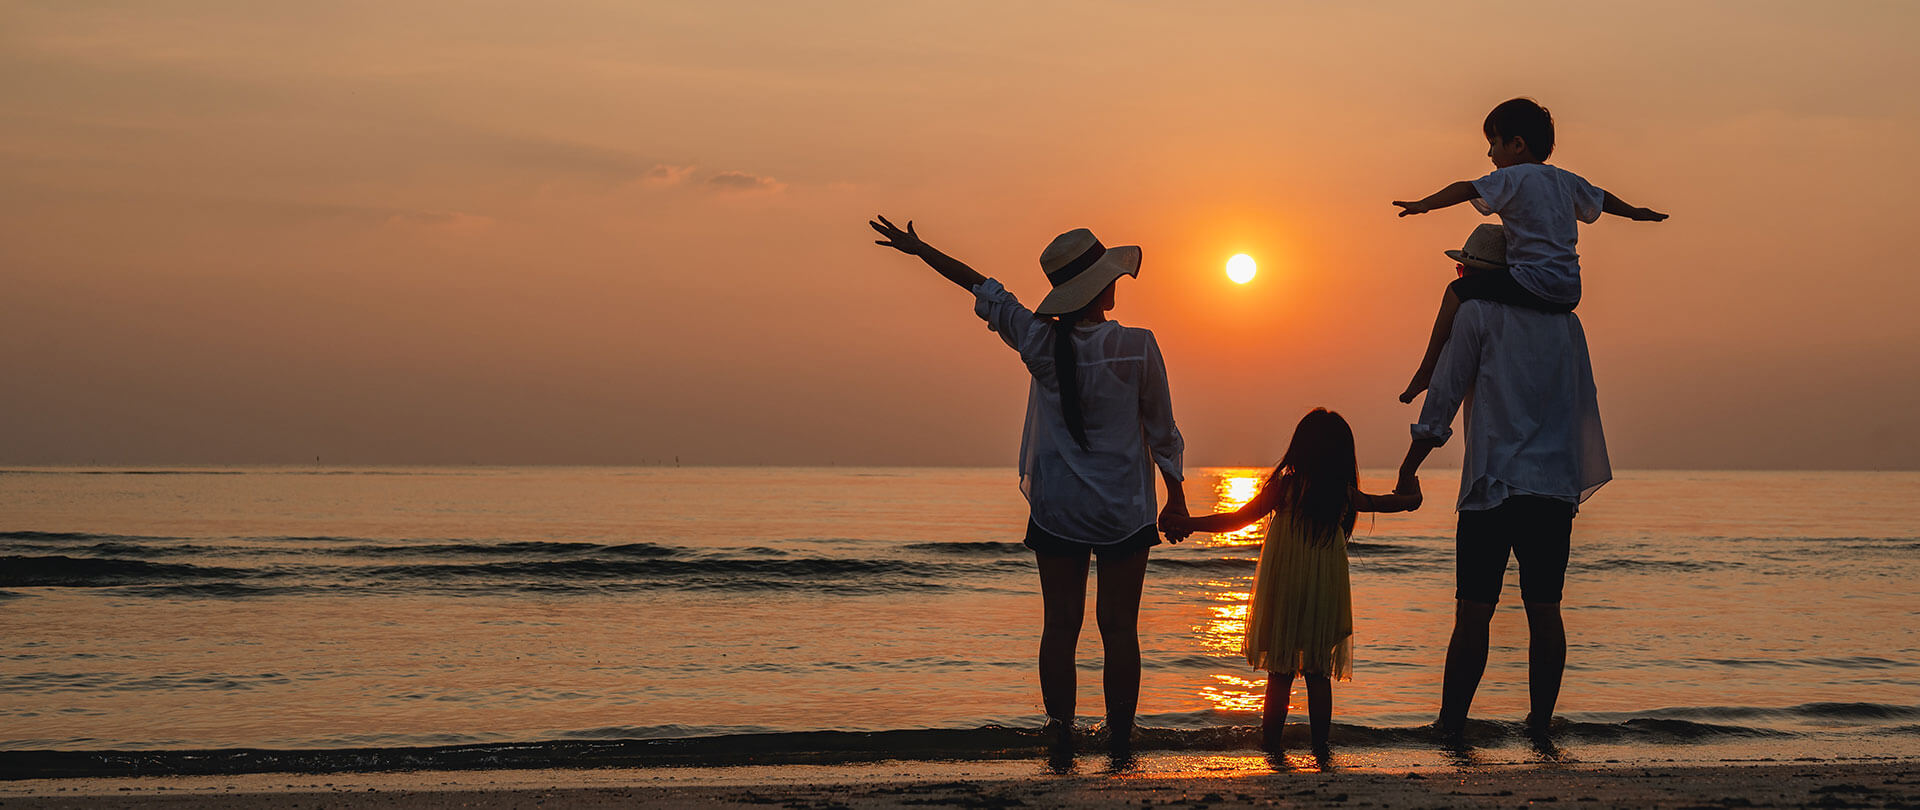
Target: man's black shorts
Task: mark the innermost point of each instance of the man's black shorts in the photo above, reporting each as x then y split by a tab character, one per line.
1050	544
1538	531
1498	286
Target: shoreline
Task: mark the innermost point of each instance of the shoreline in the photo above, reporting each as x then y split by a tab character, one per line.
1633	739
1229	780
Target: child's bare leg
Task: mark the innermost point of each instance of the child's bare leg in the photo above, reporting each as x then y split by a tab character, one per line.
1319	707
1442	329
1274	720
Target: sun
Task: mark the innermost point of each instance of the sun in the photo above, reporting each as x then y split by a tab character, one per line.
1241	268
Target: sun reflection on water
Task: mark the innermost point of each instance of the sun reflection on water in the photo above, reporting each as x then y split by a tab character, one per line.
1222	625
1232	491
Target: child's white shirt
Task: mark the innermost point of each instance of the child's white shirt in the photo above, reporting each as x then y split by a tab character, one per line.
1539	204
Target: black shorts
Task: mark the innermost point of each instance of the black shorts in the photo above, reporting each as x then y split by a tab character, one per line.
1052	545
1538	531
1480	284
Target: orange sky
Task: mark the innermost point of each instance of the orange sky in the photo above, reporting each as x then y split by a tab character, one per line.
449	232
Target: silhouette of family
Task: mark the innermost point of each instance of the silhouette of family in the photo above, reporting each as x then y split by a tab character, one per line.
1099	428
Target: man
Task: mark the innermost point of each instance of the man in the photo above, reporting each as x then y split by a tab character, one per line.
1534	451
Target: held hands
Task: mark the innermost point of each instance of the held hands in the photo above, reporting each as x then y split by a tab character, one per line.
1409	485
1175	523
906	241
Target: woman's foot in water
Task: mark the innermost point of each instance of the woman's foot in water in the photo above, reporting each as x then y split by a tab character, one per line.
1058	734
1120	736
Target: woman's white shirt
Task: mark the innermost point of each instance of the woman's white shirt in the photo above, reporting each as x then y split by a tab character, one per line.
1105	494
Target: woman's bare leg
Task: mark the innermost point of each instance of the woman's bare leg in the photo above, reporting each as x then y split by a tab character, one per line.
1442	329
1063	594
1117	610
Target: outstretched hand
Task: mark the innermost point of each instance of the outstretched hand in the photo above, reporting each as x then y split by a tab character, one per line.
1408	209
1647	215
906	241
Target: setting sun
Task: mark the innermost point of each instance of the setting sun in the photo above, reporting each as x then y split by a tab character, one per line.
1241	268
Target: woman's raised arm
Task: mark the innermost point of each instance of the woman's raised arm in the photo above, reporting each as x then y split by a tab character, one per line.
908	242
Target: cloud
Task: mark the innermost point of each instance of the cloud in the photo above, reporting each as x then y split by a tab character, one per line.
664	175
744	182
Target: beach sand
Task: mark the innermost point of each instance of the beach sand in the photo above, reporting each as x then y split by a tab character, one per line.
1178	781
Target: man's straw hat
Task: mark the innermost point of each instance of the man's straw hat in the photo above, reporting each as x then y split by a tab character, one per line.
1486	248
1080	268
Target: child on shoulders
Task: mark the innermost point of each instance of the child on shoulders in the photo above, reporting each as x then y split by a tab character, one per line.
1539	205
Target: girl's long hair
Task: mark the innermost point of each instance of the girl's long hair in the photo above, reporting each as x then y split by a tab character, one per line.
1318	470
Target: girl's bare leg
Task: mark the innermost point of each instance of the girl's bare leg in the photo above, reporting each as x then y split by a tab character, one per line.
1274	719
1319	708
1442	329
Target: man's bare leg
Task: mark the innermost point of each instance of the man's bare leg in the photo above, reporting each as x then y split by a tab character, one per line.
1466	663
1546	662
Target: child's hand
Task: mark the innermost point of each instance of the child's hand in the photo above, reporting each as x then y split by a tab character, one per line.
1644	215
1408	209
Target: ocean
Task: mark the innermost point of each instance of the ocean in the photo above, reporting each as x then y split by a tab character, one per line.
547	616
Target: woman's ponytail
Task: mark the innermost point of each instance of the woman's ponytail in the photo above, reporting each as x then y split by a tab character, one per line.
1066	371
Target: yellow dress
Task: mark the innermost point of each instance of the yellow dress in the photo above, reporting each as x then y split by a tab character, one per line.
1300	618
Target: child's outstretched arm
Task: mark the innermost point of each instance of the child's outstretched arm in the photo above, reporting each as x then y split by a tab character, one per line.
908	242
1252	512
1405	497
1453	194
1619	208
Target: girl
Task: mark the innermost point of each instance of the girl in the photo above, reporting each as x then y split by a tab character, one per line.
1300	618
1099	423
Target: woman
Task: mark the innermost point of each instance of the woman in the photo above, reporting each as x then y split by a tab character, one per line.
1099	422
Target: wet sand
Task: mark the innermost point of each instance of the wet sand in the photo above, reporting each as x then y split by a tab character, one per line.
1235	781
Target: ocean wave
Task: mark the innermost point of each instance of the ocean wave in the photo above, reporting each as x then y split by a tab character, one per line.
1233	565
1623	563
32	682
524	547
1369	548
1846	662
986	548
76	537
85	572
1804	711
594	568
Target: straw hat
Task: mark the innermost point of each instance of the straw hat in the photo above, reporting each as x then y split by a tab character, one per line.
1486	248
1080	268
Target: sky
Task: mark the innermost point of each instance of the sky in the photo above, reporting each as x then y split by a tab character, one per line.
452	232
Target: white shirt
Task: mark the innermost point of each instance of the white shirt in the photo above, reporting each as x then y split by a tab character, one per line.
1533	421
1106	494
1538	204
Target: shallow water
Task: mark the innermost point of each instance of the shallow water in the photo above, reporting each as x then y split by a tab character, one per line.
297	608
